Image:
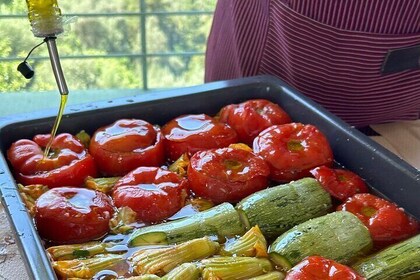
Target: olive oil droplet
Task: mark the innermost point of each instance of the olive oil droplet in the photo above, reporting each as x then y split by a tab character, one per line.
63	102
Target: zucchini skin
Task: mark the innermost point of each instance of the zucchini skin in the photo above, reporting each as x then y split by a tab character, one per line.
279	208
398	261
220	221
339	236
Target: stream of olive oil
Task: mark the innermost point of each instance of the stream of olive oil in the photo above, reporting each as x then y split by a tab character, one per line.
57	121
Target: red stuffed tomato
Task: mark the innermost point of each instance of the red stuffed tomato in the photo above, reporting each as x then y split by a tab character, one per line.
251	117
292	150
153	193
227	174
125	145
73	215
387	223
68	163
319	268
193	133
340	183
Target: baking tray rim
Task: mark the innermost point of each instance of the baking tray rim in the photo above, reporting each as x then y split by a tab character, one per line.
32	256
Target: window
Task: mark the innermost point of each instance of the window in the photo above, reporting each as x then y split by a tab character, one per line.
124	45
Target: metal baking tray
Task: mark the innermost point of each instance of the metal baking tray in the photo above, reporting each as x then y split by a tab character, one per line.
388	175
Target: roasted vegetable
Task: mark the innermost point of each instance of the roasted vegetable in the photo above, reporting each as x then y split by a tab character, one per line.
339	236
180	165
220	221
279	208
122	220
144	277
273	275
154	193
387	223
67	164
72	215
104	185
227	174
84	137
200	204
85	268
30	194
160	261
75	251
399	261
316	267
186	271
251	244
234	268
241	146
126	144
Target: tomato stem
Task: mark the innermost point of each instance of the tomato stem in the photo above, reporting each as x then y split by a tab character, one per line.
368	211
294	146
232	164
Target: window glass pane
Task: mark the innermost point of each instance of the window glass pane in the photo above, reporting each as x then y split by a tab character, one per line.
13	7
175	71
177	33
102	73
98	6
127	44
186	5
15	43
83	73
102	35
16	38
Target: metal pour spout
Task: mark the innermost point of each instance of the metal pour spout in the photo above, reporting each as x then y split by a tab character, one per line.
56	65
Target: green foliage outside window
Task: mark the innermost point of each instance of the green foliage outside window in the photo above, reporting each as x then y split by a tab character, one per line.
104	47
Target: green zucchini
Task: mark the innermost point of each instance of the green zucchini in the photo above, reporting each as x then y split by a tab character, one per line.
340	236
399	261
220	221
279	208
